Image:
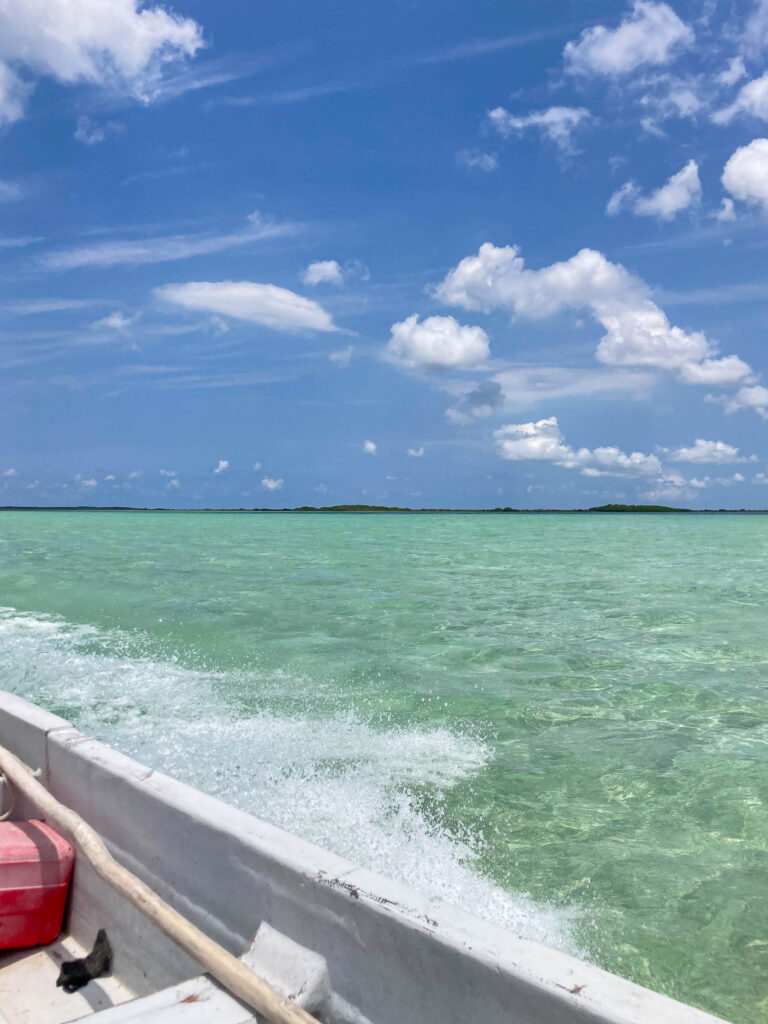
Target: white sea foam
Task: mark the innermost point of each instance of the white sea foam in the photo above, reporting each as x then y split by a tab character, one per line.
334	779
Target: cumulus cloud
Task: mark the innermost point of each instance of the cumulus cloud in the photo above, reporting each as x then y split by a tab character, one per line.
745	174
323	272
752	100
437	343
556	124
457	417
727	212
484	398
707	452
542	441
637	331
416	453
221	466
265	304
477	160
163	472
121	46
333	273
370	447
10	472
682	191
755	398
651	34
116	321
173	484
270	483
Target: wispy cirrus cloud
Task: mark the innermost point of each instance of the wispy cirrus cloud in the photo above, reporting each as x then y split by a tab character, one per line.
29	307
166	248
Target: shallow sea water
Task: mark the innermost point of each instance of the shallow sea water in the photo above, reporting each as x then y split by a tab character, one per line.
557	722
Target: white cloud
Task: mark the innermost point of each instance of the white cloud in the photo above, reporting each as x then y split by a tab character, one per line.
755	37
10	191
727	212
760	478
733	73
13	95
135	252
323	272
28	307
752	100
90	133
524	386
164	472
437	343
651	34
342	357
477	160
271	483
256	467
116	321
109	476
370	447
638	333
755	398
542	442
556	124
118	46
17	242
707	452
265	304
457	417
88	483
622	197
728	370
682	191
10	472
222	465
416	453
173	484
745	174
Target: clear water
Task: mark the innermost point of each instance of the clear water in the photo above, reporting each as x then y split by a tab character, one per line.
558	722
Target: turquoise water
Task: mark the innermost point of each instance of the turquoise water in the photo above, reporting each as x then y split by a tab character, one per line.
559	722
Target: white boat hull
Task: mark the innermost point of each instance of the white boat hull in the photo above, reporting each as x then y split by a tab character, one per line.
391	955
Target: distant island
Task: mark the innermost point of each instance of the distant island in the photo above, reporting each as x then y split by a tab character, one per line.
400	509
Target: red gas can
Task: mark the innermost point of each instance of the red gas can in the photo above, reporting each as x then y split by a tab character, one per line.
35	871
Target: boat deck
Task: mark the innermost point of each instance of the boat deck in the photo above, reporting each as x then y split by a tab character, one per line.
28	992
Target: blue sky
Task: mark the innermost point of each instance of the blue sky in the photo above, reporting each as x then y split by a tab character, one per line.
434	254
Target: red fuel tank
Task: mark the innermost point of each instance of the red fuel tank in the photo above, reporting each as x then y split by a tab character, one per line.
35	872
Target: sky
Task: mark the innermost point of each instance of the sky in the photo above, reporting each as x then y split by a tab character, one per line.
420	252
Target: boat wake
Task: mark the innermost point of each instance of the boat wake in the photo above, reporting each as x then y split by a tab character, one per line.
326	775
